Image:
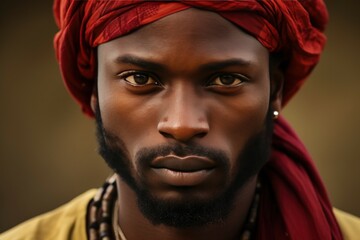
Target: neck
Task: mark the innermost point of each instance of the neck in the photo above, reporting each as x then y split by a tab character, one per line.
136	226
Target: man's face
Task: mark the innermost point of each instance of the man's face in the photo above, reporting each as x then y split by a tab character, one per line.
182	105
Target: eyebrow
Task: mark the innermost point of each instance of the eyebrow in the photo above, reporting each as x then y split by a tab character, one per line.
217	65
211	66
140	62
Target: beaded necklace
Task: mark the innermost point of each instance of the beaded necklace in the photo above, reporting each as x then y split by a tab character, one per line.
101	208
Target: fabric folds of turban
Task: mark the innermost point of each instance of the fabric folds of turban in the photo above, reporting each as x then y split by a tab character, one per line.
291	27
294	202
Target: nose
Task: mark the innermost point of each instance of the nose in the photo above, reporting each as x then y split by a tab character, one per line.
184	117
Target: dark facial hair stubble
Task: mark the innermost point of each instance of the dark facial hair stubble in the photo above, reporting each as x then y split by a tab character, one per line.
197	212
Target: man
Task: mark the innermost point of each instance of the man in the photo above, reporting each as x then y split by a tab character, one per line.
187	97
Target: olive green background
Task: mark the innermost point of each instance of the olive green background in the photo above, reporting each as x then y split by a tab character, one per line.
48	150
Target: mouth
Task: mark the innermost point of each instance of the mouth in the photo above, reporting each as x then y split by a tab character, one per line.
183	164
183	171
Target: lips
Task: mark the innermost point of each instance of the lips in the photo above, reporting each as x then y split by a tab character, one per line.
183	171
183	164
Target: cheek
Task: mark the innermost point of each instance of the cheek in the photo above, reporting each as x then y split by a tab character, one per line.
131	118
241	119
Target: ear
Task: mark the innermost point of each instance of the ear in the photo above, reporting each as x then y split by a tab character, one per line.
276	88
94	101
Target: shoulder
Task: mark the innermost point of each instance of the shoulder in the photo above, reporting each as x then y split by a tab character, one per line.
349	224
65	222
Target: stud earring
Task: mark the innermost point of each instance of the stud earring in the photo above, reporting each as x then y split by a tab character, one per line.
275	114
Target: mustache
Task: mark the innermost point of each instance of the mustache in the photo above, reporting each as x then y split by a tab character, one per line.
145	155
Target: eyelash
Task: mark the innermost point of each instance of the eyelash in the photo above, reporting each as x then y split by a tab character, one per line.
242	78
127	74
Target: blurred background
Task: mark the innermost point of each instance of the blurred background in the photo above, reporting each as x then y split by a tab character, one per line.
48	150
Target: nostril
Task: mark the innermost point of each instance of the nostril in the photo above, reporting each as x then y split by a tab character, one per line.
183	134
183	127
167	135
201	135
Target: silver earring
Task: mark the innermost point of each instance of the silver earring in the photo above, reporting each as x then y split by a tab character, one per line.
275	114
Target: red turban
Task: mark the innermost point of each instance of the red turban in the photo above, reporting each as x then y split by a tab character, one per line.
294	203
291	27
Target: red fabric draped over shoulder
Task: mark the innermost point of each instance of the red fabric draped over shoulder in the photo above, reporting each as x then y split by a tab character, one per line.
294	203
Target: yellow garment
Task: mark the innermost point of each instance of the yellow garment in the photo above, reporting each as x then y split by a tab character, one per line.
68	222
349	225
64	223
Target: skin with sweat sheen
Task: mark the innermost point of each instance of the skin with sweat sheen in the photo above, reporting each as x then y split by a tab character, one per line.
185	108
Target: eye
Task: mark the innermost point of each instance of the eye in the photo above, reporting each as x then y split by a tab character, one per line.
136	78
227	80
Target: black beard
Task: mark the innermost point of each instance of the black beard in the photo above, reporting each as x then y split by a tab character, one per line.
194	213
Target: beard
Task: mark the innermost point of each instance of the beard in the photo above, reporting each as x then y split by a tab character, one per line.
185	213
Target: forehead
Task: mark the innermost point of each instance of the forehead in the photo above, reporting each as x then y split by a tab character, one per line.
190	34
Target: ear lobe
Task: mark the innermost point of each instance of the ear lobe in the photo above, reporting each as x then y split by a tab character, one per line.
94	102
276	88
